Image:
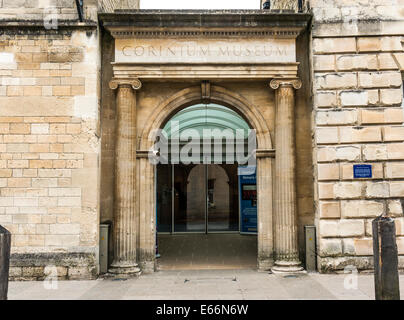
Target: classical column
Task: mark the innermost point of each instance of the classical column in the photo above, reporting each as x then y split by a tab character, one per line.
286	242
124	227
265	205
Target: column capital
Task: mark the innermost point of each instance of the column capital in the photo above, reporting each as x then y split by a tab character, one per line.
279	82
135	83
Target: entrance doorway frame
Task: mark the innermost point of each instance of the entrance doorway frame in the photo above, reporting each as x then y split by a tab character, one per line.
265	155
134	203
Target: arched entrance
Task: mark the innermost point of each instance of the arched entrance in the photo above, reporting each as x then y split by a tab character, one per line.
201	189
264	157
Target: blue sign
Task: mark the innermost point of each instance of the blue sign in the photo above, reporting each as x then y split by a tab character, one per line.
362	171
248	199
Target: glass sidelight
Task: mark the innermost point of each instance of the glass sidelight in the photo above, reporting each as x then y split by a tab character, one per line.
202	198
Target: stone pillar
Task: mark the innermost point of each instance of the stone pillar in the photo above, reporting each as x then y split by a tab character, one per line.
285	220
147	214
124	227
265	205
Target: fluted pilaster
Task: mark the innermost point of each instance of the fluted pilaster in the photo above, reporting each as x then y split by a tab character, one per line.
124	228
286	242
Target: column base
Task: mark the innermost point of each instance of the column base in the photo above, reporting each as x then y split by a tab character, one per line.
123	269
287	267
265	265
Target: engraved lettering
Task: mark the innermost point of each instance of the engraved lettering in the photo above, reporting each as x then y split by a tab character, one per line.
235	52
191	52
152	51
204	52
126	51
242	51
139	51
224	51
171	51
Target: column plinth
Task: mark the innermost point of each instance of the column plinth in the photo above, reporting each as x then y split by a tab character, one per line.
124	224
285	218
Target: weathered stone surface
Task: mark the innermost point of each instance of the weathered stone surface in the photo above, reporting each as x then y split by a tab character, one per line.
342	228
330	247
329	209
361	209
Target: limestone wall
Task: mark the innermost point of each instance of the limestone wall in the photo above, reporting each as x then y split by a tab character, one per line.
46	10
358	119
49	150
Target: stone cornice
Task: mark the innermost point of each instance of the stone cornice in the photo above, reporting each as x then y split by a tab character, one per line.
203	24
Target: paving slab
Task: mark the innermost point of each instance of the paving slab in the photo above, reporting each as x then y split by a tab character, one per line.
203	285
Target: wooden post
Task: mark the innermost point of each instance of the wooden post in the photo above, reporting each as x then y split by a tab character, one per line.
5	243
387	285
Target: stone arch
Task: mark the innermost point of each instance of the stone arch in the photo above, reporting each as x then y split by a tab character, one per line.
191	96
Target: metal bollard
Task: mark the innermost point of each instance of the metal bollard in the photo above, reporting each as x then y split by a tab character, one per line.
5	243
387	286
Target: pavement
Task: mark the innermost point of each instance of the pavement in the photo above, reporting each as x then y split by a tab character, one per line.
205	285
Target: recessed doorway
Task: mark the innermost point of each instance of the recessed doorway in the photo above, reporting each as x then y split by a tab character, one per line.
206	208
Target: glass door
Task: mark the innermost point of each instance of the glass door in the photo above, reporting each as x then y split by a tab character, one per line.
164	197
197	198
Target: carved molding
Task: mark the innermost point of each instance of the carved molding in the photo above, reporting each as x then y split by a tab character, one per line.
135	83
265	153
125	34
276	83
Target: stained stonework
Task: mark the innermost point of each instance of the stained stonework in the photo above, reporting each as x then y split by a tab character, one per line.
59	123
358	119
49	148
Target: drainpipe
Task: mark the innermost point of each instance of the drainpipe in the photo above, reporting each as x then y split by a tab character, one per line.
79	5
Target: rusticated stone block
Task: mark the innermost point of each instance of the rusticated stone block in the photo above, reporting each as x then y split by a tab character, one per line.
361	209
377	190
391	96
336	117
326	99
336	81
330	247
348	190
360	134
358	98
328	171
379	79
334	45
329	209
342	228
393	133
356	62
324	63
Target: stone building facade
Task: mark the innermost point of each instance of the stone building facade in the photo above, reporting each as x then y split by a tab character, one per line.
64	143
